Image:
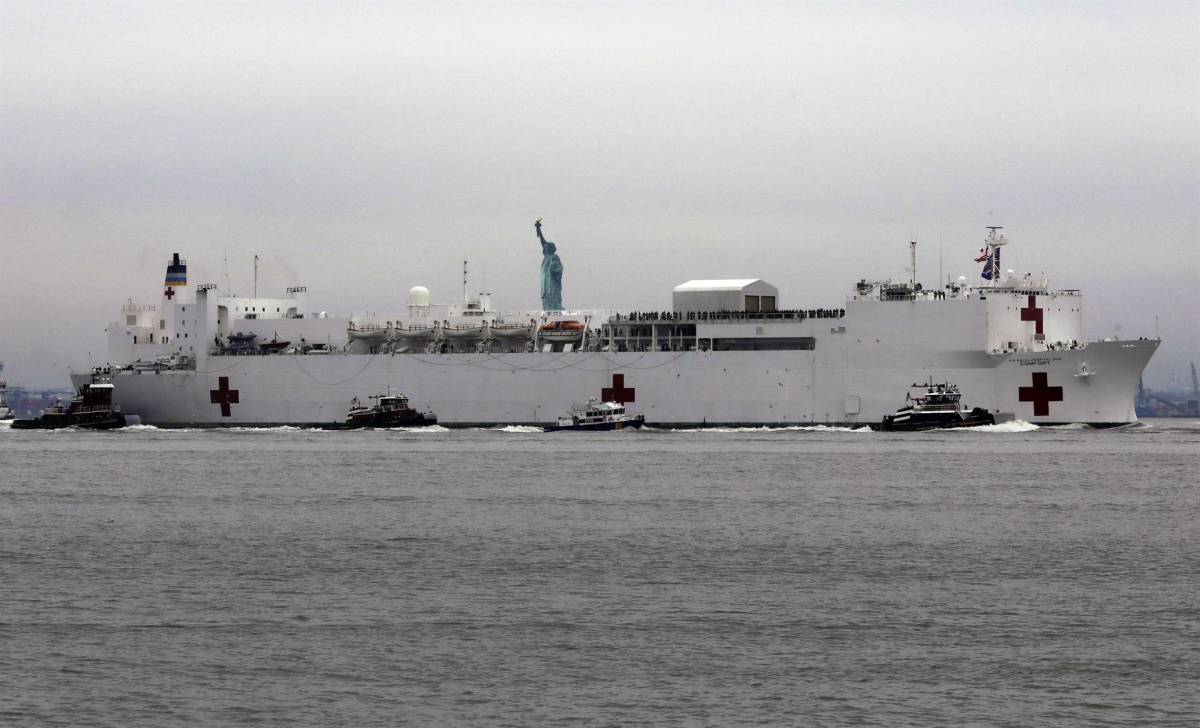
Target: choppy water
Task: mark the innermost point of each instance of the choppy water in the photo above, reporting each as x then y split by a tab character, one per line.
1017	576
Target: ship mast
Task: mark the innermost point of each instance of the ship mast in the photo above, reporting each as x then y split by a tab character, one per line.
995	240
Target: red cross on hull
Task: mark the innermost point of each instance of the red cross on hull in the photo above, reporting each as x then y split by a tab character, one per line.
169	293
1041	394
223	396
1033	313
618	392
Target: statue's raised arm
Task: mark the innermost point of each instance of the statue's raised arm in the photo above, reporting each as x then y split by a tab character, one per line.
537	225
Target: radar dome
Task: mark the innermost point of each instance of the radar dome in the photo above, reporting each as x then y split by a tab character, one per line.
418	296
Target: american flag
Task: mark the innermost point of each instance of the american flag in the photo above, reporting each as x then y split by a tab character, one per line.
983	255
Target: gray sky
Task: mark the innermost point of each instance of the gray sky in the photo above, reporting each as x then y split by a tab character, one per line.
363	149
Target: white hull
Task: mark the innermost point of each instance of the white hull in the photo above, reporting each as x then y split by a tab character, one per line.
692	388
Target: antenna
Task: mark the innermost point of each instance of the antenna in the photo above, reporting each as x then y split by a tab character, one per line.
256	275
995	239
466	300
226	254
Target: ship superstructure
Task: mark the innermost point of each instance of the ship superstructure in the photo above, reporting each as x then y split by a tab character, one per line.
726	353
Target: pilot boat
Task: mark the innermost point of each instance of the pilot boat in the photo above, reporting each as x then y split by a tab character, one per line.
940	407
596	415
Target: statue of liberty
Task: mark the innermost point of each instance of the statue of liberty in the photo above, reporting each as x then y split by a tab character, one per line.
552	269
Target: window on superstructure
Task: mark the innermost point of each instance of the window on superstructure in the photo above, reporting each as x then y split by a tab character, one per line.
162	324
131	320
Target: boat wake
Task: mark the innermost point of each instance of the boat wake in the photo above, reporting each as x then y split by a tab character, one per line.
1010	426
766	429
138	428
526	429
416	428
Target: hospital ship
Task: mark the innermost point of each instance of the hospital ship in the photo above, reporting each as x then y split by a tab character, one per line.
727	353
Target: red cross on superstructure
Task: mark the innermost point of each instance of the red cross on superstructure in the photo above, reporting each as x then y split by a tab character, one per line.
617	392
169	293
1041	394
223	396
1033	313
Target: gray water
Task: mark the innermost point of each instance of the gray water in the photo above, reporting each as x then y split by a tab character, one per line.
804	577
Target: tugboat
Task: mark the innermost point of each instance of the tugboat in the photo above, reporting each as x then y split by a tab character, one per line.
596	415
389	410
92	408
940	408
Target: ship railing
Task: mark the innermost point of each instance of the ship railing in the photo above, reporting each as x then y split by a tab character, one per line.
90	408
797	314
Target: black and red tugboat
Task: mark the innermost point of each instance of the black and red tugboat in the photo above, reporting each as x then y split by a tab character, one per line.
939	408
389	410
92	408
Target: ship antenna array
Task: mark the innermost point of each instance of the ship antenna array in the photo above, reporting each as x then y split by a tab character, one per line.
256	275
466	298
994	240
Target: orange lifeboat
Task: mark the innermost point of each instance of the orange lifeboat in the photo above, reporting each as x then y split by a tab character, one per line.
566	331
562	326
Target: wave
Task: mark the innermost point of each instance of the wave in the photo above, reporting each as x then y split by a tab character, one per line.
526	429
420	428
1010	426
767	429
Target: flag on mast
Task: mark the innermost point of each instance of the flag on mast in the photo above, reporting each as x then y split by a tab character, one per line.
991	269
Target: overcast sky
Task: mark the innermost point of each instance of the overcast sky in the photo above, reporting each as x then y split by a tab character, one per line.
360	150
